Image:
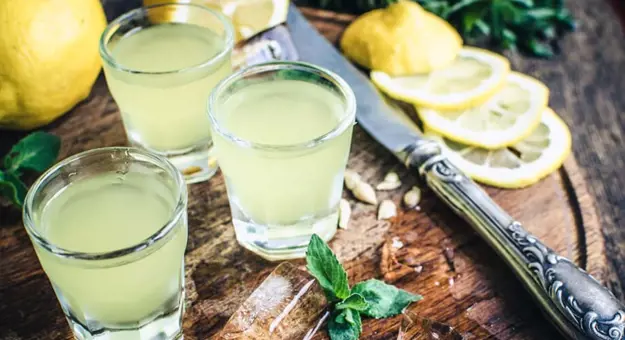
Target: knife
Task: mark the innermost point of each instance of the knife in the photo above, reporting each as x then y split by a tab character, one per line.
577	304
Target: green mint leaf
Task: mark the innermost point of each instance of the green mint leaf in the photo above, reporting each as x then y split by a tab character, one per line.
348	316
347	325
384	300
462	5
35	152
355	301
342	317
12	188
324	266
524	3
473	14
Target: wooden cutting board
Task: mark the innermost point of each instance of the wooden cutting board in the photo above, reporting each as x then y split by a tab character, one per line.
430	252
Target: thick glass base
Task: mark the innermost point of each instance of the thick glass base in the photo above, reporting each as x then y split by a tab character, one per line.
164	327
283	242
197	164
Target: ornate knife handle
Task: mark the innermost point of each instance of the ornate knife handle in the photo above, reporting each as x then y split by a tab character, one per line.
576	303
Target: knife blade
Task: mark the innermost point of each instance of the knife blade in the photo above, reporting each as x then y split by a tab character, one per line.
396	136
577	304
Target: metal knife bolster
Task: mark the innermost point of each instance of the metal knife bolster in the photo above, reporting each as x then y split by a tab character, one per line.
579	305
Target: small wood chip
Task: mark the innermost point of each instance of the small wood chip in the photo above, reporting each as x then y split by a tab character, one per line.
387	210
345	212
448	253
390	266
365	193
351	179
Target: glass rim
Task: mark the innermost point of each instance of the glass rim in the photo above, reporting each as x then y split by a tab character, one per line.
345	90
107	56
145	244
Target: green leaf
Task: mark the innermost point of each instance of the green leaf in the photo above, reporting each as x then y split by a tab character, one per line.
35	152
349	327
483	27
523	3
324	266
440	8
495	22
509	40
384	300
346	315
354	301
509	36
509	13
566	20
541	13
539	49
472	15
461	5
12	188
549	32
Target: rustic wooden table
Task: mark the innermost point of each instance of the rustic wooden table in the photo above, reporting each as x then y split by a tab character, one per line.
587	89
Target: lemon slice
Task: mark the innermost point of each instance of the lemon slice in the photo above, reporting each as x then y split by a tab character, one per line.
507	117
249	17
253	16
469	80
516	166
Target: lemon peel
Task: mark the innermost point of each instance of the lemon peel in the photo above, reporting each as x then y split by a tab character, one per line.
401	39
506	118
516	166
471	79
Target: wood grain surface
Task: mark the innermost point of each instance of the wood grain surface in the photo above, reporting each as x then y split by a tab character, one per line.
587	90
464	283
430	251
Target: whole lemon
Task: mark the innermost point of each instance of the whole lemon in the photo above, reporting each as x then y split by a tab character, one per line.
48	58
401	39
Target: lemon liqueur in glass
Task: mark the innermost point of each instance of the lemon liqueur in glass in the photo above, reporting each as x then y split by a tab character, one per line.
282	133
109	227
160	64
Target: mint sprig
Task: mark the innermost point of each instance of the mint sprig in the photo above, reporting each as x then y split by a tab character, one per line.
12	188
346	325
324	266
383	300
34	153
355	301
372	298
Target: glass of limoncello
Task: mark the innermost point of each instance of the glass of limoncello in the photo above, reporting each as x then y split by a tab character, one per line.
109	227
160	64
282	133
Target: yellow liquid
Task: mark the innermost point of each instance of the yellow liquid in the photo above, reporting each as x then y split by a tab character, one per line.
167	112
110	212
277	188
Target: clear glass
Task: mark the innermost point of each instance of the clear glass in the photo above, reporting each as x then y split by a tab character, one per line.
109	227
282	133
160	64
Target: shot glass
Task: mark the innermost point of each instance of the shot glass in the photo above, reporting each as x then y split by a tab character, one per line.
109	227
160	63
282	133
